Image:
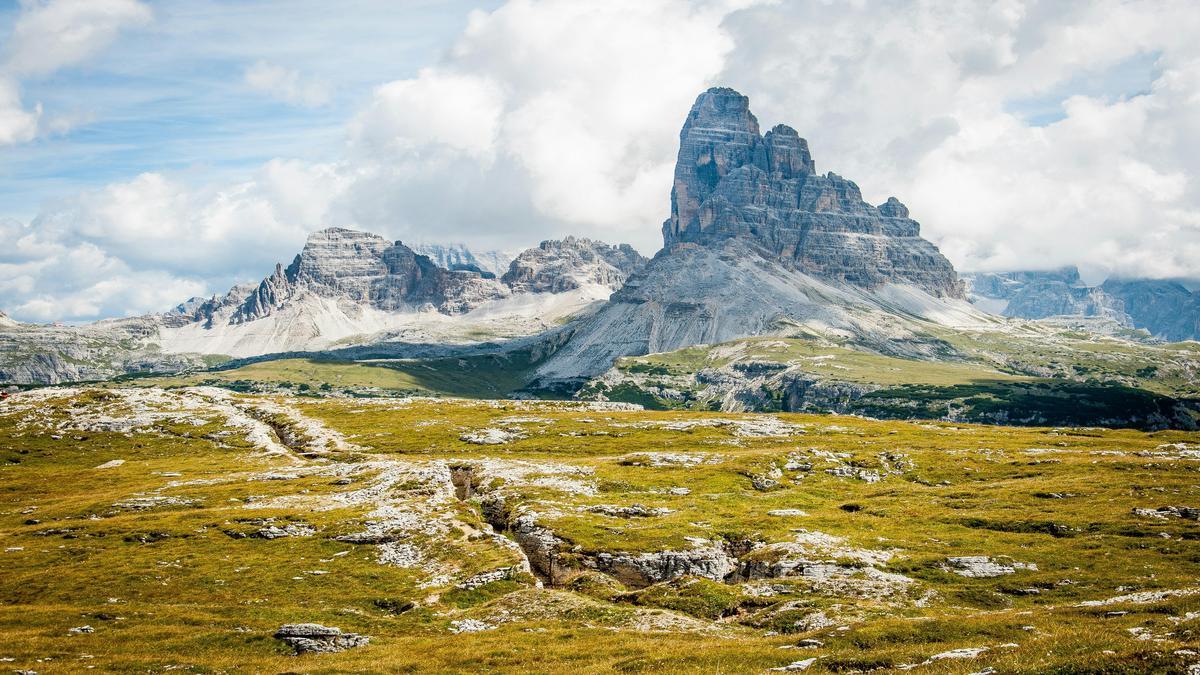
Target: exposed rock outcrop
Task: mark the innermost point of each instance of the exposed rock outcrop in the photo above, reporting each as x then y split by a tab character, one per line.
315	638
757	243
643	569
1166	309
732	182
557	266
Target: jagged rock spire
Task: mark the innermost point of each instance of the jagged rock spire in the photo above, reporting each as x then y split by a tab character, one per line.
730	181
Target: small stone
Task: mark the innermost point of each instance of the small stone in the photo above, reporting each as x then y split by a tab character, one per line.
469	626
810	643
964	653
983	567
796	666
79	630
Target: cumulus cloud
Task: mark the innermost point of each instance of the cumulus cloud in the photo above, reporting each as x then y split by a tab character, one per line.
578	105
17	125
550	117
288	85
152	242
154	222
1108	186
56	281
50	35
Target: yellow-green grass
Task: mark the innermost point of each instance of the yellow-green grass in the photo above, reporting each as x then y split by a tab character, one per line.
818	357
169	588
477	376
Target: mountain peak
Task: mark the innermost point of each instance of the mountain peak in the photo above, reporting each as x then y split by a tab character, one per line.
733	183
721	108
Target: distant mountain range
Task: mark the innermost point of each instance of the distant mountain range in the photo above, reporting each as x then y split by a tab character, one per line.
345	288
1165	309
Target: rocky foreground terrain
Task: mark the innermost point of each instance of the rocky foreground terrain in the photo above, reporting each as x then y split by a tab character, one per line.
271	533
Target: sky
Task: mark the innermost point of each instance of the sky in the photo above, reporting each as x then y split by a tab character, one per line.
155	150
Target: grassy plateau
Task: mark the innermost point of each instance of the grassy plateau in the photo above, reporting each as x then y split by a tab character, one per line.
149	529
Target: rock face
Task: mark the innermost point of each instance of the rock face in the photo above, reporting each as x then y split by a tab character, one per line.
1166	309
315	638
558	266
1037	295
369	270
759	243
345	288
732	182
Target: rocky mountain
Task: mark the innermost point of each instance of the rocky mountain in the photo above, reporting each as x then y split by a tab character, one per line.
345	288
558	266
348	287
1165	309
461	257
367	269
1037	295
34	354
758	242
6	321
733	182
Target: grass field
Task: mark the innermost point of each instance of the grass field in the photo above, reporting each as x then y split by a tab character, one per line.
488	376
143	513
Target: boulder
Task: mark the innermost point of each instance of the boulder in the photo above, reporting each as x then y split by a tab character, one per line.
315	638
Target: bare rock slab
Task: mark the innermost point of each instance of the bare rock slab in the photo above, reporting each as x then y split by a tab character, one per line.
314	638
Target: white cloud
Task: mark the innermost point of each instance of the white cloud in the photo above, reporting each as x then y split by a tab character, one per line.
154	222
549	117
53	34
152	242
575	105
288	85
50	35
17	125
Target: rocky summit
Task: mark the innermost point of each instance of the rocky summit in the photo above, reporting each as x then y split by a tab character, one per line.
558	266
757	241
733	182
346	288
368	269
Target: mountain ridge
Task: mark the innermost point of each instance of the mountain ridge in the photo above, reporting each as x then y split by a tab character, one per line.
1163	308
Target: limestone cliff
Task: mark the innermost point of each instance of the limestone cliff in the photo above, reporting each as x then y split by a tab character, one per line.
733	182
